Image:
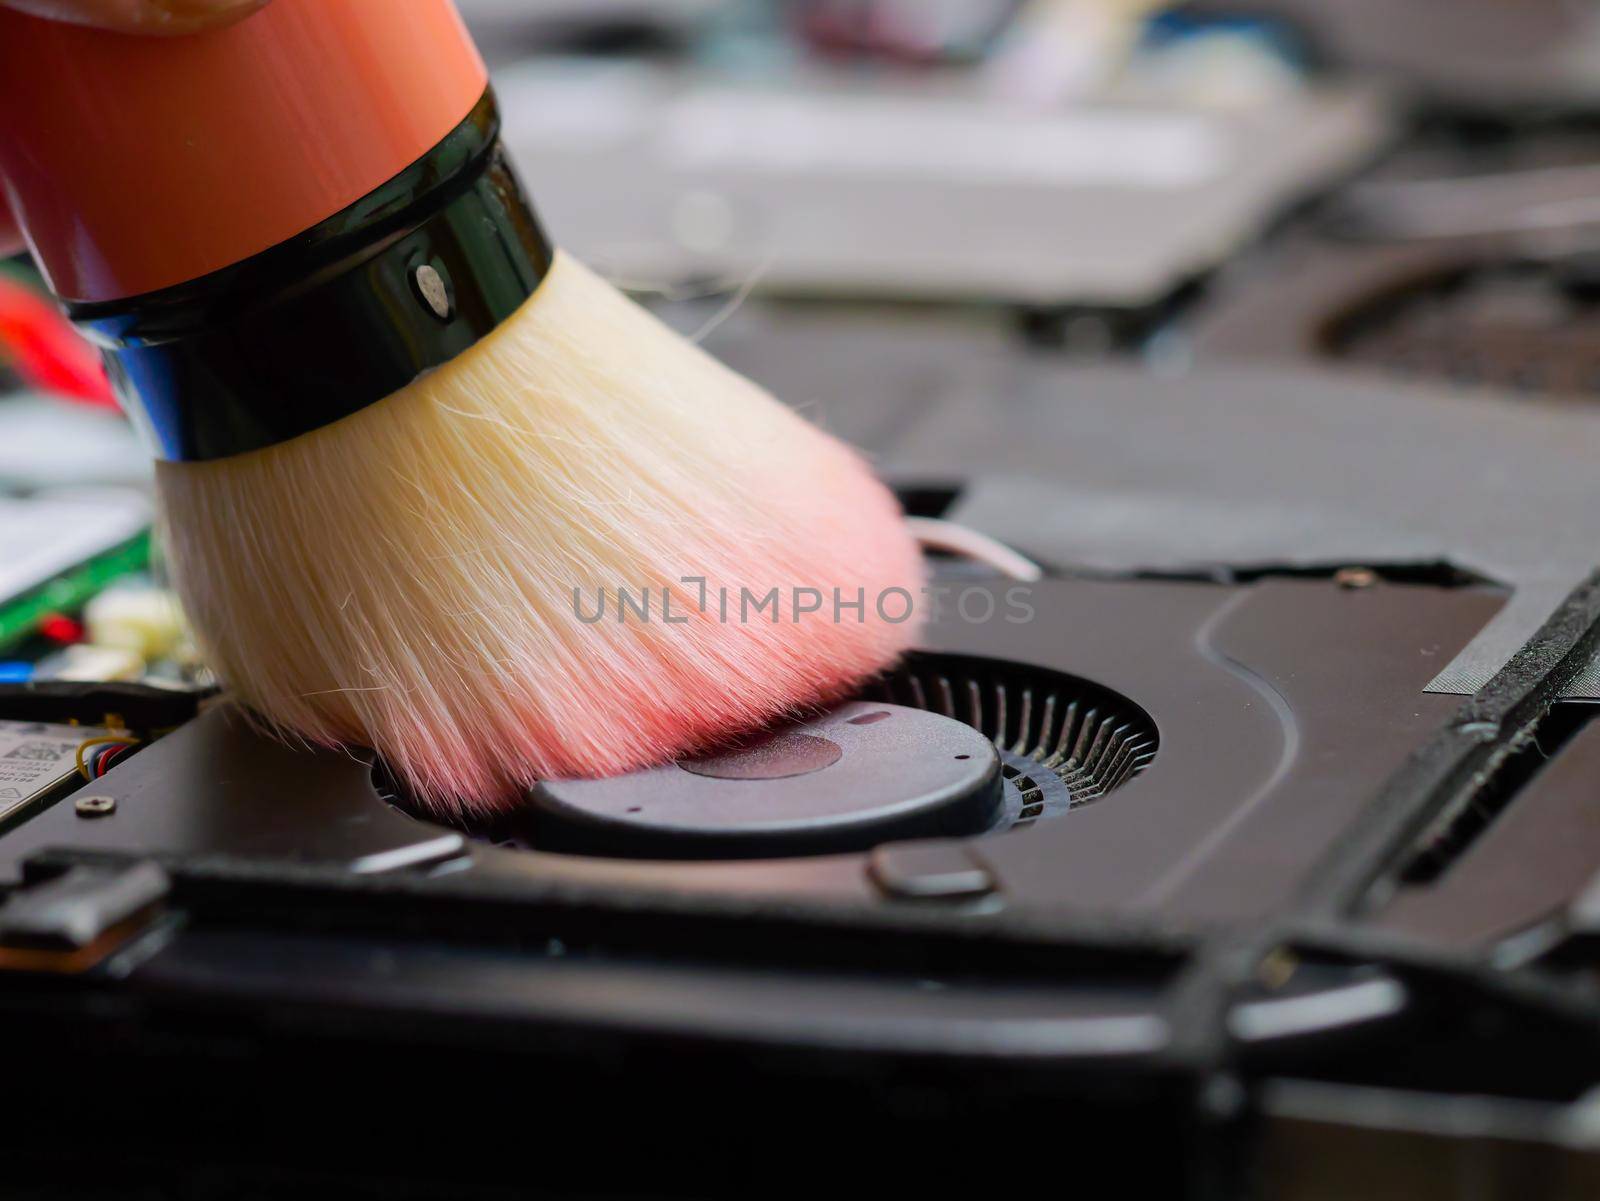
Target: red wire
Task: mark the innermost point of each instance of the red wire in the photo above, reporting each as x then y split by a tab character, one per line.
46	351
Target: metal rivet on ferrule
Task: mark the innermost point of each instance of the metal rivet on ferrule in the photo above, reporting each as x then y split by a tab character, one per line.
95	806
432	291
1355	577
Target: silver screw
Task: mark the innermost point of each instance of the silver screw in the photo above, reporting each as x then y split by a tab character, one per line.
431	290
95	806
1277	968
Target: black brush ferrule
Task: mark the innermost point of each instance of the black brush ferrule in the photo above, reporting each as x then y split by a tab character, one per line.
320	326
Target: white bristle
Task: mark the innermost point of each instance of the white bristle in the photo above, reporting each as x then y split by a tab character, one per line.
410	578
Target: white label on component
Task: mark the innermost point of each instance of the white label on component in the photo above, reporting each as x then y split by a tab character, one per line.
35	757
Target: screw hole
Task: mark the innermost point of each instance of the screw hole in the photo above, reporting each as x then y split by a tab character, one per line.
963	756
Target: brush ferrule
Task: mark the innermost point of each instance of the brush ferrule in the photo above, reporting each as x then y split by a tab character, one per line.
339	317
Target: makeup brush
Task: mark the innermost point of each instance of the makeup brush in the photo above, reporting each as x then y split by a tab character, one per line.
430	487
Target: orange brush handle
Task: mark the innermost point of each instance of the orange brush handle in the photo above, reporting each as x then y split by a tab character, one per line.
137	163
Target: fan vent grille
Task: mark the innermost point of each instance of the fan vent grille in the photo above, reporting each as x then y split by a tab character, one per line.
1065	742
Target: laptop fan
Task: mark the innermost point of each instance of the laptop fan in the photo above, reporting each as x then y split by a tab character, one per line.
943	746
1466	261
1526	326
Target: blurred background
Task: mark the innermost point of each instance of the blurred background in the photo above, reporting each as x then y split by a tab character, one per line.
883	208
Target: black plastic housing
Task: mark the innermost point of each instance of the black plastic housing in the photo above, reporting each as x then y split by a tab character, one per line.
318	327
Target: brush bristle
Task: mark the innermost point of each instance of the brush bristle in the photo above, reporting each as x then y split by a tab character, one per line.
419	578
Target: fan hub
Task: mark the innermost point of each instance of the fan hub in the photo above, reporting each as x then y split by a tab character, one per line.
847	780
